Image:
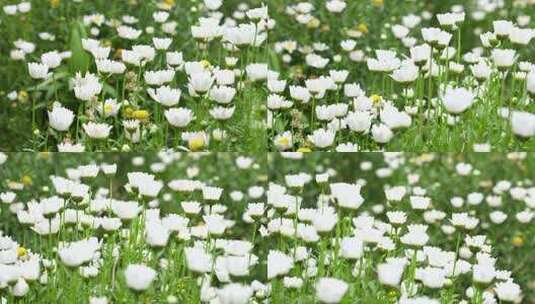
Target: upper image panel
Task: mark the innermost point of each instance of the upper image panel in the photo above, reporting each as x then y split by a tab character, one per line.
133	75
401	76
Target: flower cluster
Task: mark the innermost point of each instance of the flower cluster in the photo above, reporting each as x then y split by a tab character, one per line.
415	81
162	230
414	245
123	83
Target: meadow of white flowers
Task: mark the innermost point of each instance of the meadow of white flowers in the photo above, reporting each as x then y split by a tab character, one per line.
291	228
190	151
132	75
402	76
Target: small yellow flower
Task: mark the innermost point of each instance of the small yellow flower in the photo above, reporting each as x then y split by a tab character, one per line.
26	180
392	294
518	241
378	3
376	98
313	23
54	3
304	150
206	64
23	96
128	112
21	252
141	115
363	28
196	143
169	2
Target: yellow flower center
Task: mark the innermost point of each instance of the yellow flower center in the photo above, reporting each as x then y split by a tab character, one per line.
378	2
363	28
108	108
283	141
26	180
205	63
141	114
376	98
196	144
21	252
518	241
54	3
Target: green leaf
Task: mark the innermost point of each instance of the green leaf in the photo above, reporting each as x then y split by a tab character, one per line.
80	59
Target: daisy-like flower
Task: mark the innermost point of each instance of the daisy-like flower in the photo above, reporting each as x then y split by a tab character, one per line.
97	130
139	277
60	118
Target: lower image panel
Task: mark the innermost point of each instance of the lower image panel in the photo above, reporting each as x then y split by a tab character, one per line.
228	228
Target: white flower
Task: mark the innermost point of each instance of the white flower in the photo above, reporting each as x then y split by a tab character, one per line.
457	100
351	247
222	94
483	273
158	77
381	133
481	70
139	277
436	36
51	59
407	72
283	141
174	58
395	194
198	260
503	58
359	121
234	293
86	87
97	130
221	113
200	82
21	288
110	107
244	34
127	32
278	263
322	138
508	291
330	290
165	95
347	195
257	71
213	4
393	118
521	36
156	235
60	118
502	27
390	273
110	66
523	123
300	93
77	253
162	43
530	82
38	70
450	19
179	117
